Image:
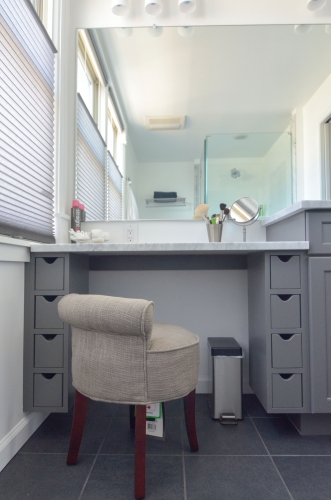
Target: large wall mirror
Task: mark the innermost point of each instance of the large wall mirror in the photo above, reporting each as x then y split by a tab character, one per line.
237	86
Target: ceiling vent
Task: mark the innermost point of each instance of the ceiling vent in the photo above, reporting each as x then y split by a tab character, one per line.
168	122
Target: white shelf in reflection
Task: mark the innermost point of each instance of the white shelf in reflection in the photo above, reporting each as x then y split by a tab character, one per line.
160	202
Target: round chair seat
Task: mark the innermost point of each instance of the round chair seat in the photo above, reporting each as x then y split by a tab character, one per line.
172	362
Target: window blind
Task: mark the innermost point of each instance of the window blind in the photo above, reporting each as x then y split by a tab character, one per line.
114	189
26	124
90	165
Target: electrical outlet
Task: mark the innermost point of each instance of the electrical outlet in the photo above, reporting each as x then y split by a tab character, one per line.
130	233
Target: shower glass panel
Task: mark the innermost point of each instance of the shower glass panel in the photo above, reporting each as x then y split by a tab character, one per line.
258	165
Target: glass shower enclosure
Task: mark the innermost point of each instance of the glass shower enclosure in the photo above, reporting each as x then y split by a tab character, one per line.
258	165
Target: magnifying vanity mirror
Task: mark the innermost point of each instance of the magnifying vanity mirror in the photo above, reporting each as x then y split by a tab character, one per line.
212	115
244	212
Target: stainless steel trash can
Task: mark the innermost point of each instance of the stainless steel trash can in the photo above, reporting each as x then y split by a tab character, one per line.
225	376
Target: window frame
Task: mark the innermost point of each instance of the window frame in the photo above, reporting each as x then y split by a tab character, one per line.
84	56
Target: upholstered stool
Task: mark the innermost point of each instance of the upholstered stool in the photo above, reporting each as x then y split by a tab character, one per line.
120	356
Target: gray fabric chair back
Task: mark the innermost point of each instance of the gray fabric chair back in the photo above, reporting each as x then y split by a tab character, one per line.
110	337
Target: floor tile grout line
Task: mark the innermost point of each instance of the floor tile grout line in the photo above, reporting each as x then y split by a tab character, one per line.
177	454
272	460
220	456
93	464
268	418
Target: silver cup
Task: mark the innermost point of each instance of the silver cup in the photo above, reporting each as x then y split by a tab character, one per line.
214	232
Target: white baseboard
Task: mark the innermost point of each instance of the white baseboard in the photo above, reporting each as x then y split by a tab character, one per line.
18	436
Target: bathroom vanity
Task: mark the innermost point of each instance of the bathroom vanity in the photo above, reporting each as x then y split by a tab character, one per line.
295	353
289	287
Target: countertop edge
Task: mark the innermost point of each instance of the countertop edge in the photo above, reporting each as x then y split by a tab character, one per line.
235	247
301	206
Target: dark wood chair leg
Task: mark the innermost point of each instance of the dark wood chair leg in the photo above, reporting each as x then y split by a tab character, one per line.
77	429
140	454
189	408
132	417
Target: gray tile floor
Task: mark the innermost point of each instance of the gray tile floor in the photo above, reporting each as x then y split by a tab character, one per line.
262	458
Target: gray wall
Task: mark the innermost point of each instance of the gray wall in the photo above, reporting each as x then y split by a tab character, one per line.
209	303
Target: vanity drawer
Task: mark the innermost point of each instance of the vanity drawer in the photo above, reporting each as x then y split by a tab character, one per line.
46	315
285	311
47	389
48	351
286	350
287	390
285	271
49	273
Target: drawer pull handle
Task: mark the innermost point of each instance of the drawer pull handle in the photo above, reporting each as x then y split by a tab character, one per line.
49	337
286	336
284	297
48	376
50	260
50	298
286	376
285	258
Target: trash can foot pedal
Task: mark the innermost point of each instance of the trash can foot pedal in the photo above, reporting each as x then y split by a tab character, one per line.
228	419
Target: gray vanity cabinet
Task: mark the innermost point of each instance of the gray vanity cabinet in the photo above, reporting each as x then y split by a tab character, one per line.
320	332
315	226
47	379
278	330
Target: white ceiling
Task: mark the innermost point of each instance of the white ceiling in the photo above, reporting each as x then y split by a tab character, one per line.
225	79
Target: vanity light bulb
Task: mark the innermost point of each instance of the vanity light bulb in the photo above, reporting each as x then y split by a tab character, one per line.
186	6
185	30
120	7
302	29
124	32
315	4
153	7
155	31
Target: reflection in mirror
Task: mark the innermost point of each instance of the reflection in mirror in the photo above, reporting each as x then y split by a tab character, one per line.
244	212
256	165
222	82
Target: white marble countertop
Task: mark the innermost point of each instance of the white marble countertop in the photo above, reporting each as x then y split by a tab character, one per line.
301	206
171	248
